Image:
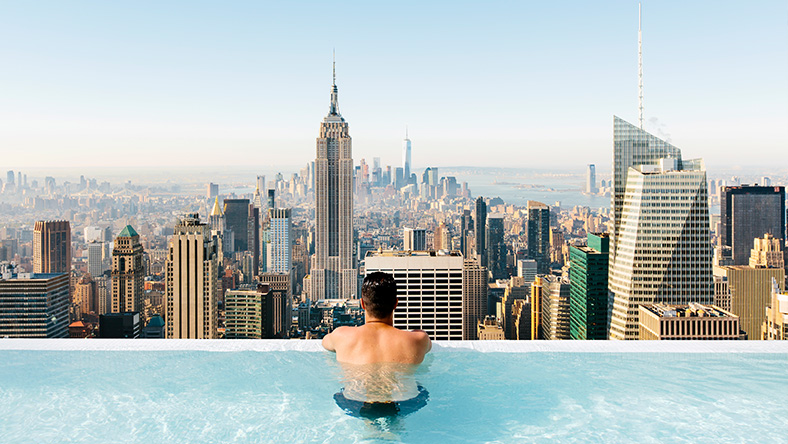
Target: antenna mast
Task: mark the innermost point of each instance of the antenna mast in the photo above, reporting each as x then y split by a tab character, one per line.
334	59
640	67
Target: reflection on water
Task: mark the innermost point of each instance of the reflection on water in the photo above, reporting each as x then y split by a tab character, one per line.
382	394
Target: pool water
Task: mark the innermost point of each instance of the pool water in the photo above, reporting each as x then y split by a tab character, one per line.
192	396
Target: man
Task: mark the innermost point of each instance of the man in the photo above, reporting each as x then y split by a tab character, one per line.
377	340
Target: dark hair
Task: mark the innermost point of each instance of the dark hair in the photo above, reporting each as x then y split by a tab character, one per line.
379	293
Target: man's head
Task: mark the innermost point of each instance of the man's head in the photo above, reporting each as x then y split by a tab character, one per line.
379	294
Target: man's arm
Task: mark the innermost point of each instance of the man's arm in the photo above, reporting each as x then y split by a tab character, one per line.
424	340
328	342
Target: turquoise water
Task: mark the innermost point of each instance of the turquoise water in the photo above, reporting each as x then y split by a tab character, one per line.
249	396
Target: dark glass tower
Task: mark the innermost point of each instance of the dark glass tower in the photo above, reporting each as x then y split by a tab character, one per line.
496	248
588	302
749	212
539	235
236	218
480	223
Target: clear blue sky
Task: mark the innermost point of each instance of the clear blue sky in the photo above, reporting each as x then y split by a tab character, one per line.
530	84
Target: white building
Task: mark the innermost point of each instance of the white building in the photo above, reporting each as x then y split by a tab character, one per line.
279	254
429	287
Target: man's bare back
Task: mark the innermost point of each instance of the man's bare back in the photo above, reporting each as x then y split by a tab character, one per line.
378	340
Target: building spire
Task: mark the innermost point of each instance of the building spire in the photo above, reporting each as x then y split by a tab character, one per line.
640	67
334	108
217	211
406	131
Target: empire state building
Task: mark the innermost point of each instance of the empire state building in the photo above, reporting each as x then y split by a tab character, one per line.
333	273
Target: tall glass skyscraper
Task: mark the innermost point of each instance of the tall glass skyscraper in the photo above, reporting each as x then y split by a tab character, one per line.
662	242
333	273
406	158
539	235
588	303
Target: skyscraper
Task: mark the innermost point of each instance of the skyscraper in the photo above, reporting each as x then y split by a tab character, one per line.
333	273
236	218
555	300
662	241
127	272
191	281
747	213
465	233
414	239
479	229
591	179
52	247
496	247
588	303
474	297
539	235
406	158
280	246
33	305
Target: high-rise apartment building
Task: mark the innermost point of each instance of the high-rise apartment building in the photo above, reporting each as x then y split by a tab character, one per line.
496	247
555	307
192	281
662	249
128	273
33	305
539	235
749	212
474	297
588	303
479	229
429	289
280	244
414	239
334	275
243	313
52	247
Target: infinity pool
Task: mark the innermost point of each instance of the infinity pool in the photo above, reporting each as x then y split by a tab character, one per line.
158	391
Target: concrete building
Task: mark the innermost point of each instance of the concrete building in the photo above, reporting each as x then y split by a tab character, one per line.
539	235
662	250
334	275
489	329
746	213
474	297
278	305
750	293
689	322
555	307
767	252
96	262
243	312
442	239
588	307
414	239
775	327
128	273
52	247
192	281
85	295
430	290
33	305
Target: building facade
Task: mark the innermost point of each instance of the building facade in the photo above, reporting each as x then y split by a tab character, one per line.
429	289
747	213
33	305
555	307
588	304
192	281
52	247
334	275
539	235
662	250
496	247
688	322
280	242
128	273
474	297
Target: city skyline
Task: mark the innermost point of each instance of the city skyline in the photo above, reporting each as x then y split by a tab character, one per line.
197	86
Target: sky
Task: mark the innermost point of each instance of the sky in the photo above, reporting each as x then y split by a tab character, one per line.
162	84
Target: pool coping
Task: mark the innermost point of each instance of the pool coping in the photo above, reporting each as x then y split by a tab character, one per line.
272	345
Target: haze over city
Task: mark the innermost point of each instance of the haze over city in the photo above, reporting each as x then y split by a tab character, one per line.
203	85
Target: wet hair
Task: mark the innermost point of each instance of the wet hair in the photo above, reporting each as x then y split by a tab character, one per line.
379	293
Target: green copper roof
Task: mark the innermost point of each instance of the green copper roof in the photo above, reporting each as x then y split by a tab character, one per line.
128	231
